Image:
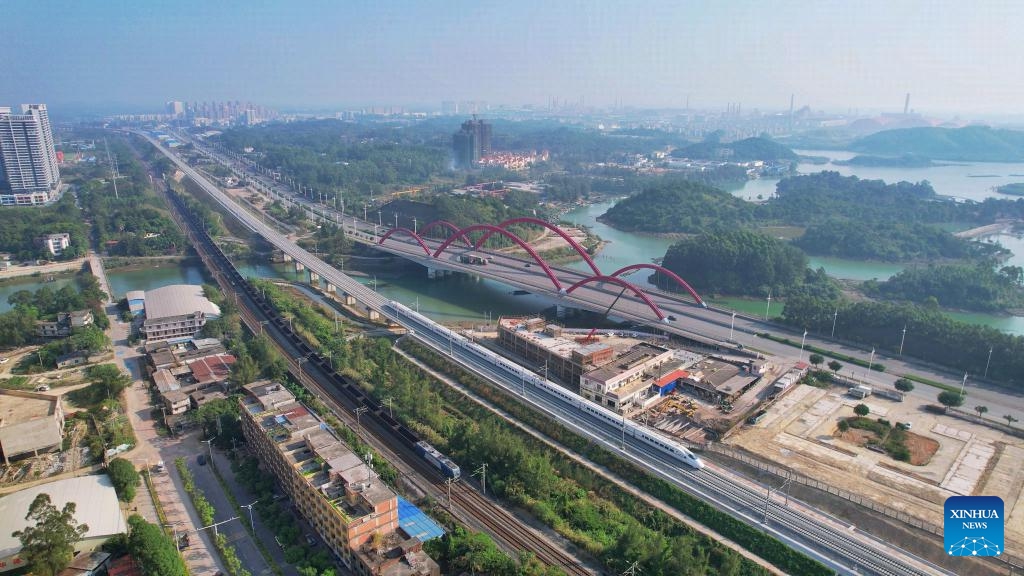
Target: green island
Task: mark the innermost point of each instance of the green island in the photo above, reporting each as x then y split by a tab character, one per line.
1015	189
969	144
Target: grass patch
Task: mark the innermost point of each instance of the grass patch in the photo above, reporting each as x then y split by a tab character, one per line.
929	382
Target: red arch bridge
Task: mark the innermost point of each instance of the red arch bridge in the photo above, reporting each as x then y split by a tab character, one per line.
472	238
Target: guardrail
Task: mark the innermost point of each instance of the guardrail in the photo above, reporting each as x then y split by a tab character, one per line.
791	476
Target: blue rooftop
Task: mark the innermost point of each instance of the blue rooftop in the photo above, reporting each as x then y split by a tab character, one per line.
416	523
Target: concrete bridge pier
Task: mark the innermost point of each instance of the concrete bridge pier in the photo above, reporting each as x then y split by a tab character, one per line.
287	257
437	273
330	288
314	278
372	314
299	267
349	299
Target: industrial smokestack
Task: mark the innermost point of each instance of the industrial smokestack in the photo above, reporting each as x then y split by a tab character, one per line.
906	105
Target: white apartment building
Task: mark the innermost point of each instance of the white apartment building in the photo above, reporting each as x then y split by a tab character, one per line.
27	156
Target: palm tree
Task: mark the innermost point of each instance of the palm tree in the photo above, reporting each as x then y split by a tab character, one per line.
1009	419
981	410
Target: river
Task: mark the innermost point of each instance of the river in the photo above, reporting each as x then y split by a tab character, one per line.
965	180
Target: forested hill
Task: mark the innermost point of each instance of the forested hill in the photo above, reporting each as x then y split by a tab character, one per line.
739	151
970	144
678	206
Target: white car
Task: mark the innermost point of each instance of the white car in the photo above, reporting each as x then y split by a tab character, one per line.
4	360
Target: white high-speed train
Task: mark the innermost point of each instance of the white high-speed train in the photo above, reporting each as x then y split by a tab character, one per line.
673	449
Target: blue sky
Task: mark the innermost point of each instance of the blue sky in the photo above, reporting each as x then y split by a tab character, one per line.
952	56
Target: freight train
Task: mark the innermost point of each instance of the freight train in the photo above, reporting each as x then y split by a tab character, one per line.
344	385
674	450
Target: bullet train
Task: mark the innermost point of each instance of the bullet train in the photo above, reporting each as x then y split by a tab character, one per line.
673	449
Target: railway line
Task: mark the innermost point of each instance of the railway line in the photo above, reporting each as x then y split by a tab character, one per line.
826	539
392	439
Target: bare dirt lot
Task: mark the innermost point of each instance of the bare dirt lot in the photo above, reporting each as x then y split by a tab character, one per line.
948	456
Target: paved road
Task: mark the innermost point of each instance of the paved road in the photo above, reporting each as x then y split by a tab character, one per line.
827	537
714	324
243	496
234	531
151	448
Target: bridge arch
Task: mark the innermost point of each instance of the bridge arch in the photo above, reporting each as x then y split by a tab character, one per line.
464	232
675	277
443	224
529	220
414	235
629	285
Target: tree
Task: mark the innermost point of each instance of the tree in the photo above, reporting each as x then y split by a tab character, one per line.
835	366
153	549
861	410
816	359
904	385
981	410
49	545
951	399
124	477
109	379
1009	419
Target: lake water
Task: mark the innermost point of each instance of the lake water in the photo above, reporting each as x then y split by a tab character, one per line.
30	283
960	180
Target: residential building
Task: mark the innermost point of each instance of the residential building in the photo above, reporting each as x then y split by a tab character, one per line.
176	312
96	506
471	143
27	156
64	323
332	487
55	244
30	423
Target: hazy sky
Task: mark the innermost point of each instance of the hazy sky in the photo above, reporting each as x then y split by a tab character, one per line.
960	56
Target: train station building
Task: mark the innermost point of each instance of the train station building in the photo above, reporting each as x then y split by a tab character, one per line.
338	493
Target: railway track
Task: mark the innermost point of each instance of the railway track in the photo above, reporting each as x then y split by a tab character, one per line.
466	502
824	538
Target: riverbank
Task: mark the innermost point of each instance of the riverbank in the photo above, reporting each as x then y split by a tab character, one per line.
52	268
130	263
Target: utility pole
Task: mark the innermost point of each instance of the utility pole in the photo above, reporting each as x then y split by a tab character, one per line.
989	361
769	306
390	400
482	471
252	526
633	570
359	411
448	482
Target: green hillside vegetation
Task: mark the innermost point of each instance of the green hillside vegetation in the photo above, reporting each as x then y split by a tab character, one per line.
21	226
740	151
964	286
931	335
806	200
736	262
679	206
892	241
904	161
972	144
330	154
1015	189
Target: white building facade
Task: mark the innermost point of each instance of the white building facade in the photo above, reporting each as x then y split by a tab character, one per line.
27	156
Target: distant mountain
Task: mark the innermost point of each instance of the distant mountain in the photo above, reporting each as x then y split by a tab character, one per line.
739	151
970	144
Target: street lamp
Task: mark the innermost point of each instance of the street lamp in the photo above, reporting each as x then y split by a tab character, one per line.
871	360
989	361
769	306
903	338
963	385
252	526
835	316
732	325
209	445
802	341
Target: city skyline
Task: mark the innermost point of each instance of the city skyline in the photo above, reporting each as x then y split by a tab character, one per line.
952	57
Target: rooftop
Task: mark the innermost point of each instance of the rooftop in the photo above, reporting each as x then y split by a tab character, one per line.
178	300
18	406
637	354
95	501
